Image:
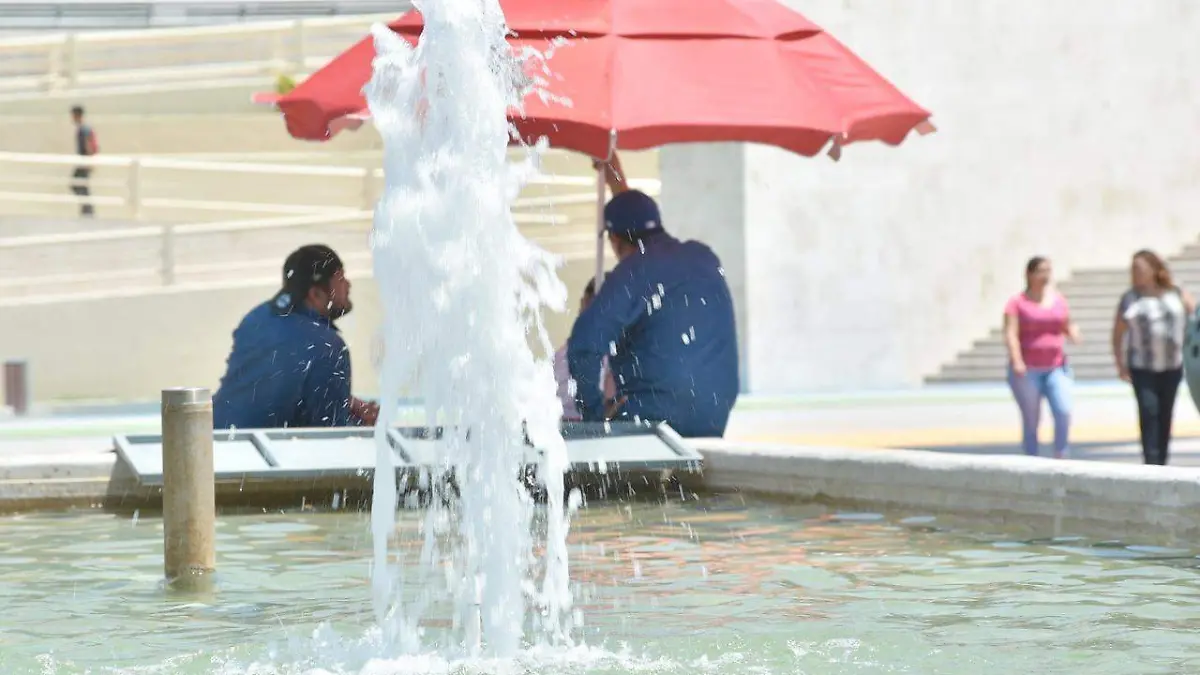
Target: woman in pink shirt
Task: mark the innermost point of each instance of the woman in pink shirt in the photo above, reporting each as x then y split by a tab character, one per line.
1035	323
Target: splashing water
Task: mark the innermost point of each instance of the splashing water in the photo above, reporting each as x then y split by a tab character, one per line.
462	290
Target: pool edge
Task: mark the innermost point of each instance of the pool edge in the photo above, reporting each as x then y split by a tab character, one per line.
1127	498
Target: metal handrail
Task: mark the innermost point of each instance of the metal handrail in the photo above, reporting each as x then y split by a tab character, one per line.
66	61
150	162
351	206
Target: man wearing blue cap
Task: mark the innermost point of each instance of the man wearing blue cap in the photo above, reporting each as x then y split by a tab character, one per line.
664	318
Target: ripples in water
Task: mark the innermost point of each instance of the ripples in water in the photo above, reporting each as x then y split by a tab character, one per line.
716	585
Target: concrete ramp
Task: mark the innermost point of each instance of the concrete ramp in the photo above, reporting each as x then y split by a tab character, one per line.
298	454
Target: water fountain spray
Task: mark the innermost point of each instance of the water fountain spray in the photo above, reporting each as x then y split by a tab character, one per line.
462	291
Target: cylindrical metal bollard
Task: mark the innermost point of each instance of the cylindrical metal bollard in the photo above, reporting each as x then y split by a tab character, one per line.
189	494
16	386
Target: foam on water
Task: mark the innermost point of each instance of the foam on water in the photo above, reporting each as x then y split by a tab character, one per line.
462	290
328	653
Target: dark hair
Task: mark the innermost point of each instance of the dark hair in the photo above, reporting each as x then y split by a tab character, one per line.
77	110
1034	263
590	289
1162	275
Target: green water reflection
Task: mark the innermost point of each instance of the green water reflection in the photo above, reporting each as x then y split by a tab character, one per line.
716	585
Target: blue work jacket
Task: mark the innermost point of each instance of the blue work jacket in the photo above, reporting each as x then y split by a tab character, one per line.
664	317
284	371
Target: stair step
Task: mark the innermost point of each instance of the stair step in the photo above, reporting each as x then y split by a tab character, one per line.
1000	360
965	376
1088	349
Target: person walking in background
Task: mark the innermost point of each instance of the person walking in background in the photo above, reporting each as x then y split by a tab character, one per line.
85	146
1147	343
1035	322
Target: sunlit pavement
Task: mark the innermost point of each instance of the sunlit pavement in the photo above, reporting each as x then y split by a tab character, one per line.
976	419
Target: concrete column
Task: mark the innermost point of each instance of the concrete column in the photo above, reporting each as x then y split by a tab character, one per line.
189	496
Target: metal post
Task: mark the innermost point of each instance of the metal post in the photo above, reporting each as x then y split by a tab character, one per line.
601	184
16	386
189	494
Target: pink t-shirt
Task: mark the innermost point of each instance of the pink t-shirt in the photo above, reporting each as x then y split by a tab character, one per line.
1040	330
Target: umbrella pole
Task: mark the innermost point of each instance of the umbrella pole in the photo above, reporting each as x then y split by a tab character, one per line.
601	180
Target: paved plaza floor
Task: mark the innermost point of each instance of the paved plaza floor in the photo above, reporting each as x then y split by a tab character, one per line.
975	419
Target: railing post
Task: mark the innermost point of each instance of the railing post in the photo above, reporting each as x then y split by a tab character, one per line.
189	491
54	66
167	261
133	192
16	386
368	189
299	47
71	60
279	58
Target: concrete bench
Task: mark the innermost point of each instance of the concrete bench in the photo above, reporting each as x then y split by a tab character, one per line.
297	454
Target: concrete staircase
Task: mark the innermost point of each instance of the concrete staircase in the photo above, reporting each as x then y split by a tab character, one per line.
1093	294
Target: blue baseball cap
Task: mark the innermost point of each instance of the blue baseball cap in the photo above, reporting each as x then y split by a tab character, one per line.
632	212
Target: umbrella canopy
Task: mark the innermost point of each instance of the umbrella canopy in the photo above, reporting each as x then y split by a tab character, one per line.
643	74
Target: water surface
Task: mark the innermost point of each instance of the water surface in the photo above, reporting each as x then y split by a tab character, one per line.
716	585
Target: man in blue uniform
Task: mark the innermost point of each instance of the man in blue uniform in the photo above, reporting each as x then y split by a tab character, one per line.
289	366
664	317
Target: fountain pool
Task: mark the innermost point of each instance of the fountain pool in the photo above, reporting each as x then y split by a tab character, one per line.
715	585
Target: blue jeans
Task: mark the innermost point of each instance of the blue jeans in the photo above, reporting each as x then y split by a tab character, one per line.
1053	384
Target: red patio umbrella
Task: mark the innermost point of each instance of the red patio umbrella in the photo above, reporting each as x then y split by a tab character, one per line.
643	74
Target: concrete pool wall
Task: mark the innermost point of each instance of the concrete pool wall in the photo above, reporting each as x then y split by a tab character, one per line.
1117	499
1120	499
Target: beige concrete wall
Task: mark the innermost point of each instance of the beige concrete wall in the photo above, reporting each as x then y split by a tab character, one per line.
130	348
